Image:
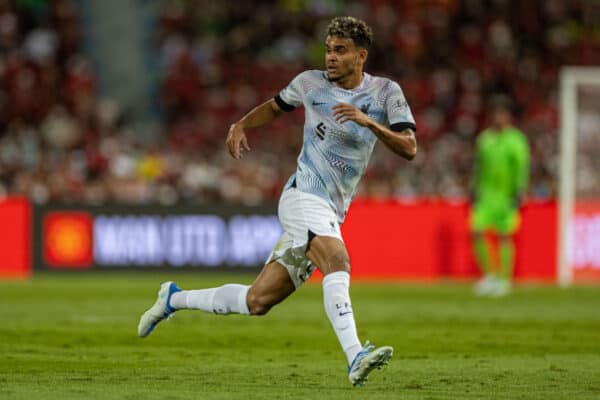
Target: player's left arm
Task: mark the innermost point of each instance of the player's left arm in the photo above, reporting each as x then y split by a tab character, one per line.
402	141
523	156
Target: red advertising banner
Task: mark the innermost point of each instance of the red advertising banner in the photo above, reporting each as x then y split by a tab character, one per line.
585	242
15	237
537	241
426	239
430	239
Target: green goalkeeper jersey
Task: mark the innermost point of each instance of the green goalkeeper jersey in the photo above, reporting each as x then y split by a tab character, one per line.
501	167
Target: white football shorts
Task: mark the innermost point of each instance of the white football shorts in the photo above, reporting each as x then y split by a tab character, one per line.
302	216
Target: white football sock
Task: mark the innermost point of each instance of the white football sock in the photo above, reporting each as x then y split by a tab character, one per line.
338	307
226	299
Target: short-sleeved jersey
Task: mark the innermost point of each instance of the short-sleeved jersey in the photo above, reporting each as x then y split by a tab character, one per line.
501	166
334	156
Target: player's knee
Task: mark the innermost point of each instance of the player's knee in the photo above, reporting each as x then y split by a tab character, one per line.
476	234
339	261
257	304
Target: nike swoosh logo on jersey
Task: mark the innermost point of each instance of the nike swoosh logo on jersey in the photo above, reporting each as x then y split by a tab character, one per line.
344	313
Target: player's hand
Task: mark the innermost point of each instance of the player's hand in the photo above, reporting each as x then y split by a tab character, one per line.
236	141
343	112
518	200
472	197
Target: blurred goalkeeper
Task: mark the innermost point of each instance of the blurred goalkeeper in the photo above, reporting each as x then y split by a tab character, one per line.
346	112
500	178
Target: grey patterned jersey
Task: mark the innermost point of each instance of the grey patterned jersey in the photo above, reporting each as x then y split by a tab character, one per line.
335	156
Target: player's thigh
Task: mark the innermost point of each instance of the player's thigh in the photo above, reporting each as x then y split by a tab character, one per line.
508	222
313	235
329	254
481	218
272	286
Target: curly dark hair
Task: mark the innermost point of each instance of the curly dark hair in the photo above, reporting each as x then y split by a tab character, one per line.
353	28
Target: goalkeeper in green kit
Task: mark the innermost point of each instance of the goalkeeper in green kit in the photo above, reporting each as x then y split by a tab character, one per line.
500	179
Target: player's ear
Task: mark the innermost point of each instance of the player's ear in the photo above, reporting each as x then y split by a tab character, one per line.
363	54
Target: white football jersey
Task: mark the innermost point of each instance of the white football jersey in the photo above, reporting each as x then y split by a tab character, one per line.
335	156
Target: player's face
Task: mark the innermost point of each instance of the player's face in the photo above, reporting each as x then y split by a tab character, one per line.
500	118
343	58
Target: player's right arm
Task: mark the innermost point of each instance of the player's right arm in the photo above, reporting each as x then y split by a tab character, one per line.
522	161
259	116
287	100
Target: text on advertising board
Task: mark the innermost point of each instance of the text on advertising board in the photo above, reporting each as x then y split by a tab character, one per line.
192	240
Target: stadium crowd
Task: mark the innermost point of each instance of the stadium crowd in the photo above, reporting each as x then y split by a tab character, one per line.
59	142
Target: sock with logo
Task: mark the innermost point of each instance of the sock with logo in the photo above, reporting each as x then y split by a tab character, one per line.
338	307
226	299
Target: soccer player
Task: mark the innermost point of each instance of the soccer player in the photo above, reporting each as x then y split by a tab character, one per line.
500	180
346	111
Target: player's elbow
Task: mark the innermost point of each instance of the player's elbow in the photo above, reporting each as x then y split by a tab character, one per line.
407	144
410	151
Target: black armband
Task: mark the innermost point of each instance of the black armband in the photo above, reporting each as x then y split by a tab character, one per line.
400	126
283	105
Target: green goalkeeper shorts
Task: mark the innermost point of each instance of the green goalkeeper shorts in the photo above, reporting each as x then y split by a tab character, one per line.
504	220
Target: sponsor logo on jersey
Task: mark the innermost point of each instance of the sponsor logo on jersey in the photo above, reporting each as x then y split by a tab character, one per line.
320	130
401	103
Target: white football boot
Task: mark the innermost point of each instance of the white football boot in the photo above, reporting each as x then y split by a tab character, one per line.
366	361
486	285
160	310
501	288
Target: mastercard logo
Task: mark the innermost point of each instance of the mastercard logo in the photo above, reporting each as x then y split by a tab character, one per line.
67	238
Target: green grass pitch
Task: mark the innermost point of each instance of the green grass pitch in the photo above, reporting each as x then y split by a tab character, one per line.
74	337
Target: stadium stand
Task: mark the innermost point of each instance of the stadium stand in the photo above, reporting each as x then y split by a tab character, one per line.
60	143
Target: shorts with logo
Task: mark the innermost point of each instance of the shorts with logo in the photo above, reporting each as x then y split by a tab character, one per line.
302	216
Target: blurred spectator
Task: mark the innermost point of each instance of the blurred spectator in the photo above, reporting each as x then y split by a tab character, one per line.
218	59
